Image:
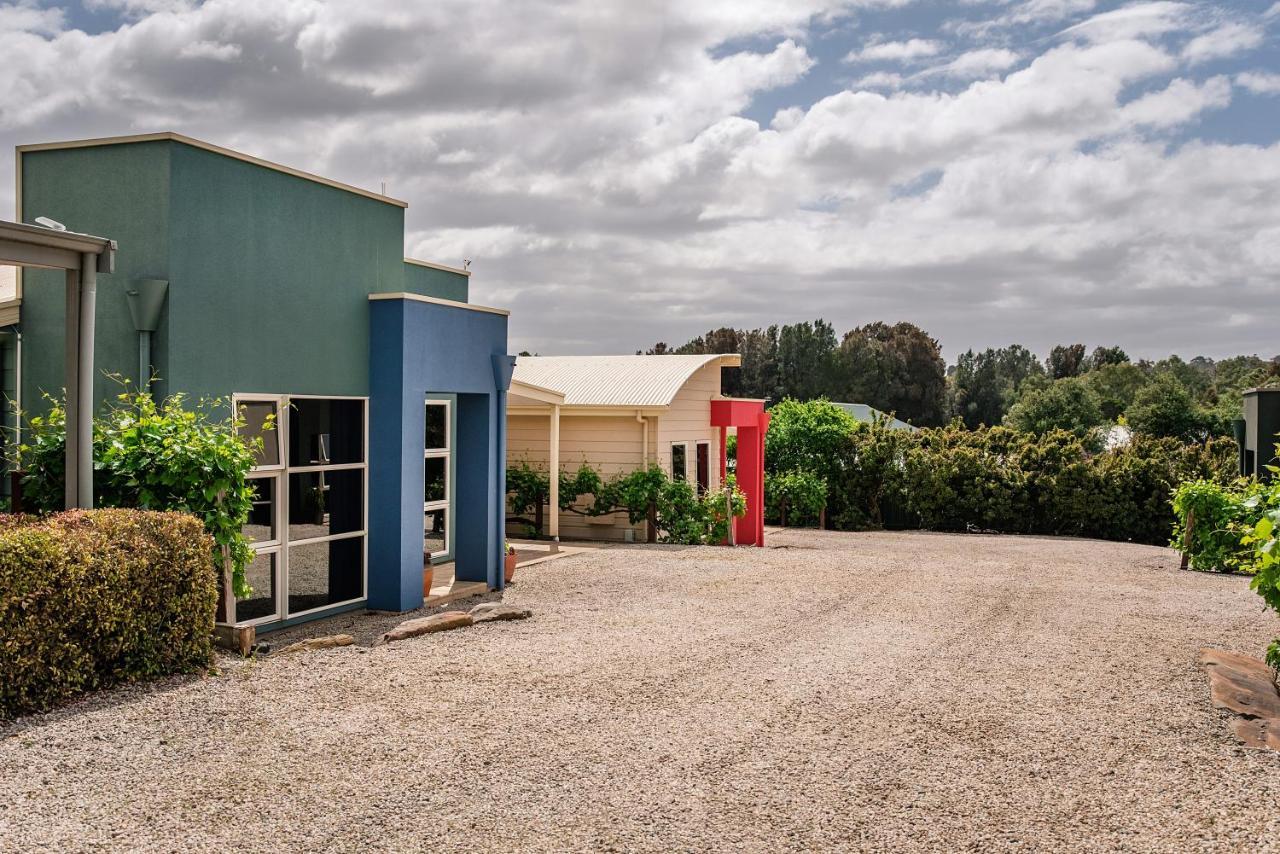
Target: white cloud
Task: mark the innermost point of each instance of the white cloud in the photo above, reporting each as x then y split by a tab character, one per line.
977	63
1259	83
1136	20
895	51
597	166
1179	102
878	80
1226	40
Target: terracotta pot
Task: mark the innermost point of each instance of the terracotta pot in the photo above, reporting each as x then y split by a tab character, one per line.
427	572
508	568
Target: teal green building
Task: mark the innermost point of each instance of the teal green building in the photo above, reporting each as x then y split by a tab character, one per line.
242	279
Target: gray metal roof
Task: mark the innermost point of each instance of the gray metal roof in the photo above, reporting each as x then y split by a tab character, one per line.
869	414
615	380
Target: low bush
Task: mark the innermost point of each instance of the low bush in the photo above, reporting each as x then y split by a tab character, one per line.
94	598
151	456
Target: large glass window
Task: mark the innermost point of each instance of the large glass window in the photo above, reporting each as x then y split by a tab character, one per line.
307	523
436	486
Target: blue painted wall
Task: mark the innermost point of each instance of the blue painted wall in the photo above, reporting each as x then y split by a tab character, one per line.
419	349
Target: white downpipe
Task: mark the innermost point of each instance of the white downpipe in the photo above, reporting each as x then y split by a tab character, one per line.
84	418
555	474
644	439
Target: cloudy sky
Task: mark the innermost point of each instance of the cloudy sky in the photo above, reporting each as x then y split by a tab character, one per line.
996	171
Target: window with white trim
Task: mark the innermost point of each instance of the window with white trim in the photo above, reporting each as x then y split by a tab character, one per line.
310	515
437	487
680	461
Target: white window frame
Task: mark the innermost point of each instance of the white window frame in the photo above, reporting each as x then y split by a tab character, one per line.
684	475
446	454
282	544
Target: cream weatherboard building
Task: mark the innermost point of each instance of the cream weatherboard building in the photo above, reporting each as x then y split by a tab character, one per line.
617	414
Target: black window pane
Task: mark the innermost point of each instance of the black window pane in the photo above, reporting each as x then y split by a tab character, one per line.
704	468
325	573
679	470
435	526
325	502
437	432
261	575
324	432
261	526
257	415
436	471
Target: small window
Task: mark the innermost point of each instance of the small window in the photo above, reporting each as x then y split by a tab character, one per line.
325	432
261	421
704	467
437	432
680	462
261	525
261	575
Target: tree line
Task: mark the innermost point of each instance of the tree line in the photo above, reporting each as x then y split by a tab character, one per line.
899	369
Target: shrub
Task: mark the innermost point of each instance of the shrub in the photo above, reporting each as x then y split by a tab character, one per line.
676	511
1210	522
1001	479
154	457
93	598
806	436
795	497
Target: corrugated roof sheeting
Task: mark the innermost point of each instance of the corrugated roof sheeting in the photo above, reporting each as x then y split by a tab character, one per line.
614	380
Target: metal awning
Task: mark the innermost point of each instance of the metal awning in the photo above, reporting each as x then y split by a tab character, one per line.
82	257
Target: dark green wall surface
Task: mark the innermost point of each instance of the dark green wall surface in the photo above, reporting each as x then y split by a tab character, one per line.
115	191
269	273
270	278
430	282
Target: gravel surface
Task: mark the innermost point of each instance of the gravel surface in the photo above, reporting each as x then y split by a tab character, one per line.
835	692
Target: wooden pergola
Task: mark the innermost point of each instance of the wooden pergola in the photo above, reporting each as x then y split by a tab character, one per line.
82	257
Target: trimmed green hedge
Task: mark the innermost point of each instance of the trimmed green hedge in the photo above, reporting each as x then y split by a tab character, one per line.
93	598
997	479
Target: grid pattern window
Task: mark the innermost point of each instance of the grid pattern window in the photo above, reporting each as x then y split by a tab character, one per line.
436	493
310	512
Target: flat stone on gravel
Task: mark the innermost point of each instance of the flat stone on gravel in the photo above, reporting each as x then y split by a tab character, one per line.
327	642
492	612
426	626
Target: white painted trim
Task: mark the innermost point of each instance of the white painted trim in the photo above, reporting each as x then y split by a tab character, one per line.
541	394
216	149
440	301
434	266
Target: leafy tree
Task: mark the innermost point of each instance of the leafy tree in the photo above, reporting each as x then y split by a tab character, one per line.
1066	361
1115	384
807	359
1165	407
898	369
806	435
1067	404
984	385
1103	356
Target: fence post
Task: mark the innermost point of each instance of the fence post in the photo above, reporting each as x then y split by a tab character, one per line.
1186	538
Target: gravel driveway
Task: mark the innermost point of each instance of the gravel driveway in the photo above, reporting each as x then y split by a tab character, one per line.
836	691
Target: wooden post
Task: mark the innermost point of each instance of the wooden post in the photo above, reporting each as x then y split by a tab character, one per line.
1186	538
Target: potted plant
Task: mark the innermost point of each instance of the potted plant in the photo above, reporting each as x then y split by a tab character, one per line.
509	563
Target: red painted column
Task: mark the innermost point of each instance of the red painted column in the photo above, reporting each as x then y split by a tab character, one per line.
750	469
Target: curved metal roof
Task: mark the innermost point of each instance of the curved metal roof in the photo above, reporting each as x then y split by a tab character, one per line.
615	380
